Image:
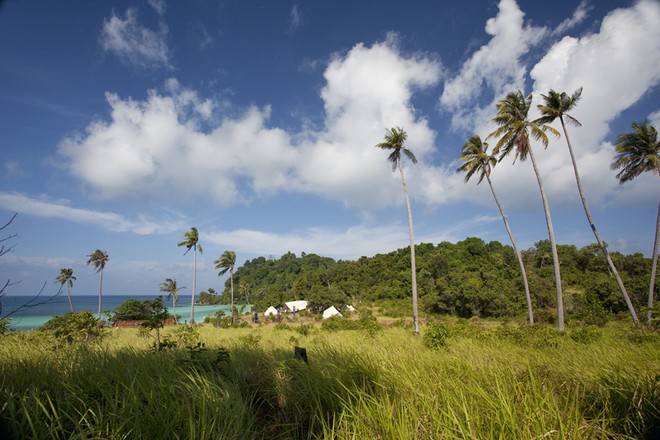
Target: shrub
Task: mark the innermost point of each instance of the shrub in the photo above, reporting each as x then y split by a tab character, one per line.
436	335
74	327
585	335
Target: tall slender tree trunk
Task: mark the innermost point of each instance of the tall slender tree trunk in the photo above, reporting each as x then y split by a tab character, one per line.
654	267
174	299
68	294
100	293
194	288
528	296
602	244
553	244
231	284
413	266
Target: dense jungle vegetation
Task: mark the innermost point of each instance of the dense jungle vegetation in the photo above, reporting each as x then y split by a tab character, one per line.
469	278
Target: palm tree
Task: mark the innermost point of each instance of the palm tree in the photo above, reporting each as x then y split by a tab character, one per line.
476	159
191	241
170	286
99	259
244	289
226	263
515	130
395	139
639	152
66	277
557	105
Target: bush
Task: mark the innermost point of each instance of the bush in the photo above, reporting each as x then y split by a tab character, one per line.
436	335
585	335
74	327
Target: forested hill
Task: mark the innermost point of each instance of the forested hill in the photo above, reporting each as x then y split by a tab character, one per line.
469	278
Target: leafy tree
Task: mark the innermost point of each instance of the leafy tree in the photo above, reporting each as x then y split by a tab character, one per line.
170	286
515	130
226	264
155	316
74	327
244	289
395	139
99	259
191	241
66	277
476	159
636	153
557	105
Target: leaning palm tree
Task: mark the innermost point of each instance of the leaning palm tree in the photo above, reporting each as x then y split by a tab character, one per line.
99	259
191	241
395	139
226	263
637	153
172	289
476	159
66	277
557	105
515	130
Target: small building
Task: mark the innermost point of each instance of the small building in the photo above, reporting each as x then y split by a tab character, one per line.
270	311
330	312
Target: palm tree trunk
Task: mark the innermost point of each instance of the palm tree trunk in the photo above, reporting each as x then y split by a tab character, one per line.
192	300
413	267
174	299
602	245
68	294
528	296
654	267
553	244
231	283
100	292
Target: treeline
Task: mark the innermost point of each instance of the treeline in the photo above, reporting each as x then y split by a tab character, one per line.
469	278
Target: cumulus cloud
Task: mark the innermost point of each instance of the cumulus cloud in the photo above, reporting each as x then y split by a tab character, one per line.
496	67
106	220
157	148
133	43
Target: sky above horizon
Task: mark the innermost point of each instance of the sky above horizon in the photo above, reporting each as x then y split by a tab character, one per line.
126	123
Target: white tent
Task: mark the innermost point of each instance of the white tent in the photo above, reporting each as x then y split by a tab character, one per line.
348	307
295	305
270	311
331	311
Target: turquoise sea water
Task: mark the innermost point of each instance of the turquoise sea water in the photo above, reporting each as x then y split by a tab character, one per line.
37	315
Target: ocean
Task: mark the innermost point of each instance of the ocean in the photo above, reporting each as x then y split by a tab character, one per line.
34	317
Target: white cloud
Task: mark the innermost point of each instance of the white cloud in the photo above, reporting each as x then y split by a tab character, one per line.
157	149
295	19
107	220
495	67
158	5
578	17
133	43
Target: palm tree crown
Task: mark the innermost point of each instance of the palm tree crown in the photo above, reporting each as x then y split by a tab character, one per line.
476	159
637	152
394	140
172	289
557	105
516	129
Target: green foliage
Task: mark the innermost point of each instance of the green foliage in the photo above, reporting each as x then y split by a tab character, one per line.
74	327
4	325
436	335
585	334
153	310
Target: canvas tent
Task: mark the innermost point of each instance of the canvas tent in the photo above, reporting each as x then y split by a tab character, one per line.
330	312
299	305
270	311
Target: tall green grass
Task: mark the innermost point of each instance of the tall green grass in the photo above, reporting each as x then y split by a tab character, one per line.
483	382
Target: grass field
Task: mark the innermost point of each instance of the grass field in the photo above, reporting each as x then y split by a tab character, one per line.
463	380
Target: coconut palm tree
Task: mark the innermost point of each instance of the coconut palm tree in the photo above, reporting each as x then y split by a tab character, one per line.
515	130
66	277
557	105
99	259
244	289
191	241
395	139
636	153
224	264
170	286
476	159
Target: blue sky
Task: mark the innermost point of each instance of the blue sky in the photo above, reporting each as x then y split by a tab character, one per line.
125	123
